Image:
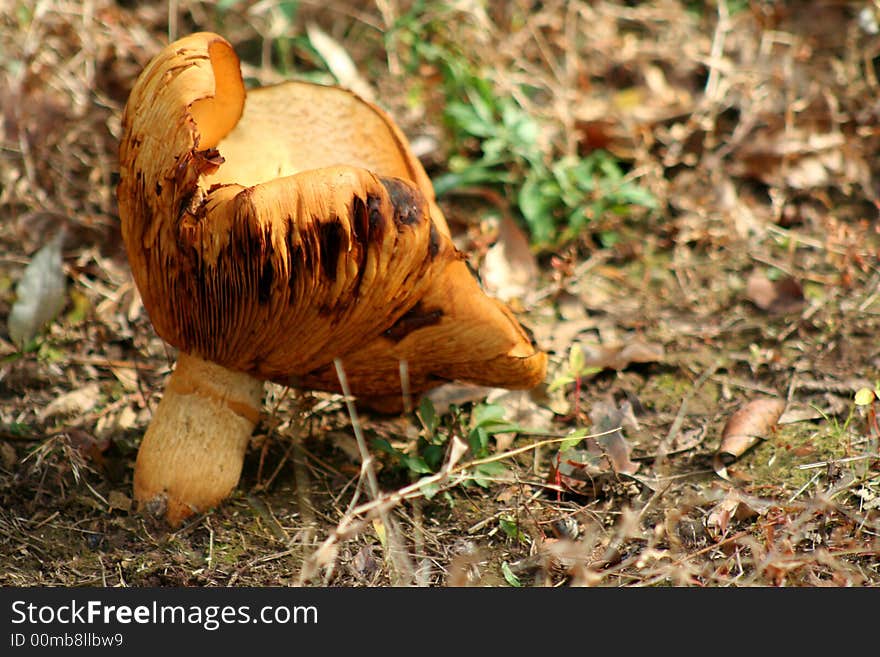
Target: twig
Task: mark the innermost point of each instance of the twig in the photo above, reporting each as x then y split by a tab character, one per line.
350	525
709	548
717	51
210	559
804	487
404	387
267	442
674	428
822	464
404	569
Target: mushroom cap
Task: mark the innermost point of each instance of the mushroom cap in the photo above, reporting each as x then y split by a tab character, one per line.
276	230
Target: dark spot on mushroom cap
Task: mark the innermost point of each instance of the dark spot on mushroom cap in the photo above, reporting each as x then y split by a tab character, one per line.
376	218
264	287
407	201
360	227
433	242
330	244
413	319
360	221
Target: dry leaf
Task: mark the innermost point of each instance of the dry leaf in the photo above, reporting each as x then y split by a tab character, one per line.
525	408
801	413
344	441
364	562
457	394
578	468
745	428
127	376
119	500
8	455
797	158
608	416
72	403
733	505
509	270
777	297
40	294
570	306
112	424
457	449
90	446
381	533
619	357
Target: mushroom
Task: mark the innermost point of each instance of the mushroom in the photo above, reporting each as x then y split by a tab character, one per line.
269	233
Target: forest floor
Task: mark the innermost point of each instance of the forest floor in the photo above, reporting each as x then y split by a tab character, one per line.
752	276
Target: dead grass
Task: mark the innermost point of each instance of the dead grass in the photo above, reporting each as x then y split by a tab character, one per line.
754	127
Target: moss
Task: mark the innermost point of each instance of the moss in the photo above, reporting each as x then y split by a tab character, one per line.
774	462
667	390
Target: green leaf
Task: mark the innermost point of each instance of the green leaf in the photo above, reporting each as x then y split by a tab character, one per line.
466	173
384	446
509	576
289	9
485	473
487	414
573	440
608	238
537	206
481	99
512	529
464	118
560	382
433	456
428	416
575	359
478	439
415	463
429	489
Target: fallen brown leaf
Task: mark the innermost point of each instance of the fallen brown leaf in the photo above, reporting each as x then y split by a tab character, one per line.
8	455
782	296
606	417
457	394
91	447
119	500
620	356
734	505
744	429
609	451
509	270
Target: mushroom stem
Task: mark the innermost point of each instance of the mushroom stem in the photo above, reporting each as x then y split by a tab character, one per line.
192	453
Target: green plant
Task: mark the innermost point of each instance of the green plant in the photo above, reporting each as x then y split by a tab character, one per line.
560	200
512	529
576	371
498	143
429	450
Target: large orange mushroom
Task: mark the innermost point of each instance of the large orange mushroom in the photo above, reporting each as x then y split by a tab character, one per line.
270	232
